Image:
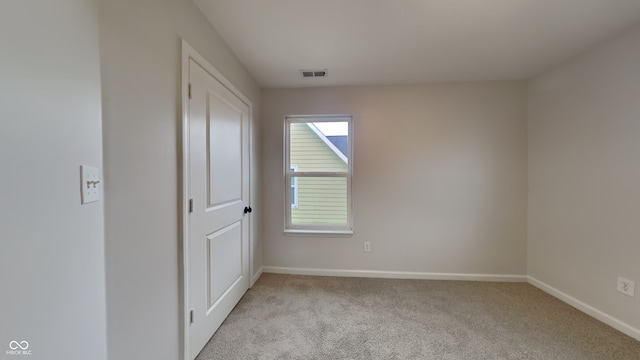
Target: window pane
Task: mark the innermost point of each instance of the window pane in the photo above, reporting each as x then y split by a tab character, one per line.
321	201
320	146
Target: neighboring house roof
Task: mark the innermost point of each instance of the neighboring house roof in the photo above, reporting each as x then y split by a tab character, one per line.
341	142
341	154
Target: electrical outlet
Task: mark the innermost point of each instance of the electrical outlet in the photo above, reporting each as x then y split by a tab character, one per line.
626	287
367	246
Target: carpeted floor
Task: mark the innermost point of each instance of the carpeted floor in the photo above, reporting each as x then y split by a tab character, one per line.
305	317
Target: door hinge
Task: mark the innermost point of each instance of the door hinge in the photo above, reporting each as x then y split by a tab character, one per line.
190	206
191	317
189	91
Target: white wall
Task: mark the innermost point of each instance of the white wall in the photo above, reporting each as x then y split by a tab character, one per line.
584	172
52	285
140	53
439	178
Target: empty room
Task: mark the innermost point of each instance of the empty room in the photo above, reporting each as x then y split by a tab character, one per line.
319	179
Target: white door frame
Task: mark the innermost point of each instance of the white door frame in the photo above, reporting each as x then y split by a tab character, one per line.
188	53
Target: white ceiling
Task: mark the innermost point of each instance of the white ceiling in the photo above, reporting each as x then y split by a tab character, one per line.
411	41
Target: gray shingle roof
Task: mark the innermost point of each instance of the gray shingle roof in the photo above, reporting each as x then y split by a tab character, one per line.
341	142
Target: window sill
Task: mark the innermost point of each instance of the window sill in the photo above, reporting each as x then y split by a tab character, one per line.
337	233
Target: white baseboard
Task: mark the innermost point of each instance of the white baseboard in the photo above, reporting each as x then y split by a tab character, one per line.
256	276
394	274
587	309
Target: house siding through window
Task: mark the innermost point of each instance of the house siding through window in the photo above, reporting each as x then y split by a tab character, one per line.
320	200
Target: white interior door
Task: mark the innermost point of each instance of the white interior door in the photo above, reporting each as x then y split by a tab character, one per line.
218	243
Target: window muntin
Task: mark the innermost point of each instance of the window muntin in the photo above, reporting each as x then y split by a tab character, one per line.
320	182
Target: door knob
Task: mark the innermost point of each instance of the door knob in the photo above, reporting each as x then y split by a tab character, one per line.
248	209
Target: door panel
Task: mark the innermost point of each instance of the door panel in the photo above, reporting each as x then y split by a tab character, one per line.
218	243
225	261
224	150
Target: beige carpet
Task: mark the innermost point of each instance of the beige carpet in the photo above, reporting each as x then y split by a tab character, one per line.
304	317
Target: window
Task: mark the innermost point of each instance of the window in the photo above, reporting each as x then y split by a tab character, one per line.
318	173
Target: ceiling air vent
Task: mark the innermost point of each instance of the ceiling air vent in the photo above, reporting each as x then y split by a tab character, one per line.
314	73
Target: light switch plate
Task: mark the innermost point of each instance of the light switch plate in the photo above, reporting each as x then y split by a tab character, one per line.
90	183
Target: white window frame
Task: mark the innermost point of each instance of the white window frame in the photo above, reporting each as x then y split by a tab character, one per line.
289	227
